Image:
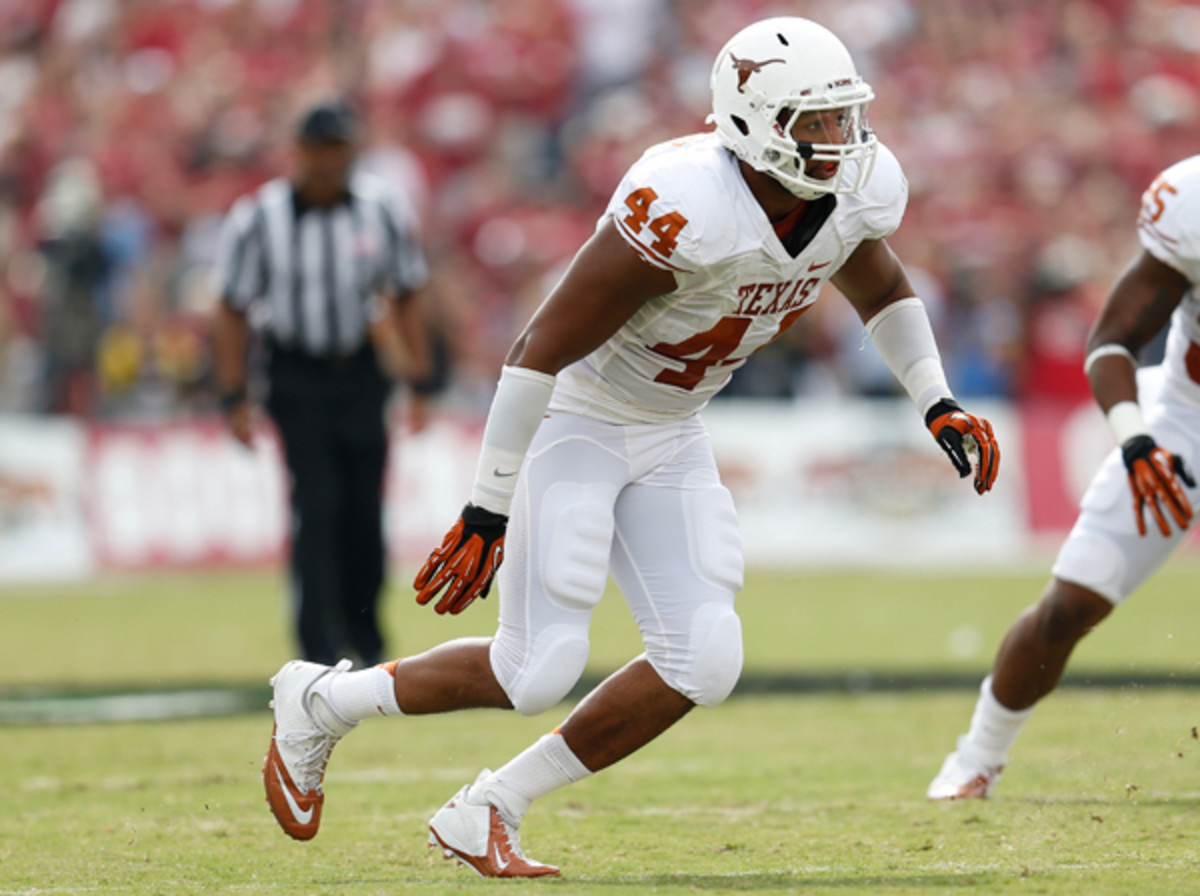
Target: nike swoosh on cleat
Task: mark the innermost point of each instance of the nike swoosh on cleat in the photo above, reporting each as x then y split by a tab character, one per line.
500	864
304	816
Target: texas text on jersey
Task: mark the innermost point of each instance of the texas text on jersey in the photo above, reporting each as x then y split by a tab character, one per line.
685	207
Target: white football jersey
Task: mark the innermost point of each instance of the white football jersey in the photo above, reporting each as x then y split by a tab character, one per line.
685	207
1169	228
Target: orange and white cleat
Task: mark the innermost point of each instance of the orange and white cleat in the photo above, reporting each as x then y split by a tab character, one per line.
964	778
472	831
305	733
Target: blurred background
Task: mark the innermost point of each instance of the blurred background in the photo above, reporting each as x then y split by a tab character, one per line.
1027	128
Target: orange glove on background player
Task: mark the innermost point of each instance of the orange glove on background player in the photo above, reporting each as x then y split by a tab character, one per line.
1154	475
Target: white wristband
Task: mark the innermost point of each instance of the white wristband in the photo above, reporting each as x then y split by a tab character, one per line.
518	407
1126	420
1103	351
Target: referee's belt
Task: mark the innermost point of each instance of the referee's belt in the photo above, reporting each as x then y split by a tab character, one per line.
331	360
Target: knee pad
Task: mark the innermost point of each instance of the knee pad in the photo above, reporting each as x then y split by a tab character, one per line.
537	679
575	560
713	664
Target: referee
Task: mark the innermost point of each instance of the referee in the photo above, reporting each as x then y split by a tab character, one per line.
325	269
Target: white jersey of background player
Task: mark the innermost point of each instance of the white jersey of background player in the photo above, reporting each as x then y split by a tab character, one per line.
1169	229
594	460
1110	550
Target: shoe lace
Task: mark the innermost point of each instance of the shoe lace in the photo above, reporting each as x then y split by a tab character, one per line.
309	769
512	835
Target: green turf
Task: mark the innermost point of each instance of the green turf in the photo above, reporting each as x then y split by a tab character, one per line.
232	627
763	794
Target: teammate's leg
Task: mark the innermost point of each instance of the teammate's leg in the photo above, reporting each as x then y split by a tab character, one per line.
1035	651
1028	666
1101	563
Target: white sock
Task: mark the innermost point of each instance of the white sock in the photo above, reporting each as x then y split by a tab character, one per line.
544	767
364	694
994	727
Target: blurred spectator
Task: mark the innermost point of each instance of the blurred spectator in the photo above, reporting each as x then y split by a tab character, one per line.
74	303
1022	125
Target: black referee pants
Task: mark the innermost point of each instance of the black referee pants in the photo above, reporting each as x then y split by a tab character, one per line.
330	417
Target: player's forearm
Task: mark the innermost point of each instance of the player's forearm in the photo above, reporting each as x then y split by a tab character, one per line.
411	326
229	350
518	407
904	337
1111	370
1139	306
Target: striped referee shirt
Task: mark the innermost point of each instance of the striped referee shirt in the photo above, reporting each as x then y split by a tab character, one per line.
312	278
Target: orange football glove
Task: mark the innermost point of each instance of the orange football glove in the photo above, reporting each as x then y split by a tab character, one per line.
465	563
1154	475
960	434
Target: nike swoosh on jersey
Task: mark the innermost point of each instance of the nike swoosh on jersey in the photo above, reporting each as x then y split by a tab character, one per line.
817	267
496	472
304	816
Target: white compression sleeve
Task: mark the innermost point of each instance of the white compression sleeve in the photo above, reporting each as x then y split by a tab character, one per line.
521	399
902	333
1126	421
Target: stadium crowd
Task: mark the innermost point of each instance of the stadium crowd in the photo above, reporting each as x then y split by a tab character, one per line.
1027	128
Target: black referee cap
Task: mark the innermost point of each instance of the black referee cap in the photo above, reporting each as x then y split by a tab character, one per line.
328	123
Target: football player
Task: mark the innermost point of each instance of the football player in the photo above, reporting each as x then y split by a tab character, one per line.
594	459
1112	547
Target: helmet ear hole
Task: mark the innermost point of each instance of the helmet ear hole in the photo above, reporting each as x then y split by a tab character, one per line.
740	124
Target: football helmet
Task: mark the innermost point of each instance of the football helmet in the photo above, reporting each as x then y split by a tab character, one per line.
767	76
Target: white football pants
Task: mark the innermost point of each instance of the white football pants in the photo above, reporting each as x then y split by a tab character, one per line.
1104	551
645	503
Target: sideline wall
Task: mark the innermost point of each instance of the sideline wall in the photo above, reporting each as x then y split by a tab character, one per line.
837	484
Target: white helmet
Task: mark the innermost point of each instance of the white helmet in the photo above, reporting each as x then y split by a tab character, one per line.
765	77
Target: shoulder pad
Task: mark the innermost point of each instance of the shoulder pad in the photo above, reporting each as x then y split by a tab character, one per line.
1169	219
878	207
673	205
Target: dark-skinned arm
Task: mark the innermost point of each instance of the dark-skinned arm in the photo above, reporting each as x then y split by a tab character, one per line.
605	285
1138	307
875	283
401	338
230	337
873	278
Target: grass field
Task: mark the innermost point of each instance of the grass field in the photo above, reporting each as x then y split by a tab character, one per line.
772	792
